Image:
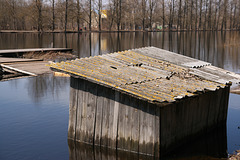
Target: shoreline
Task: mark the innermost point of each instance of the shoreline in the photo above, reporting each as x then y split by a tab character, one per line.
107	31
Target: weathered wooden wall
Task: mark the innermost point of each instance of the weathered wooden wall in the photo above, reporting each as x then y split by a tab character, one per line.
102	116
185	120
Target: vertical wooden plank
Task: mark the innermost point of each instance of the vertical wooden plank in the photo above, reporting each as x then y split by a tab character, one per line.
127	125
114	127
149	133
217	105
203	101
166	126
83	129
143	127
226	92
91	110
196	125
121	126
191	107
99	116
80	100
72	108
105	120
157	132
135	125
112	109
212	109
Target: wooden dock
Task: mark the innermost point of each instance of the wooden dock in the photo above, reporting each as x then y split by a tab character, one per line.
21	67
4	60
15	51
147	101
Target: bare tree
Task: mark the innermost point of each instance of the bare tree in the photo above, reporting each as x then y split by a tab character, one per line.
53	15
191	15
210	15
39	11
179	23
219	13
234	14
90	15
66	15
152	4
143	13
196	14
200	15
119	13
163	13
205	15
99	14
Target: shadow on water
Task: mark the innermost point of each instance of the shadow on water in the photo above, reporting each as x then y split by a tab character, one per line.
209	146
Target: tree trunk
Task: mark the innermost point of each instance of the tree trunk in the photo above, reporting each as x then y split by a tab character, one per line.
151	7
200	15
90	15
78	15
143	13
163	12
187	20
215	16
170	17
225	14
196	15
66	15
173	13
99	14
179	15
191	14
184	15
205	19
230	15
238	16
234	14
53	15
219	13
39	9
210	15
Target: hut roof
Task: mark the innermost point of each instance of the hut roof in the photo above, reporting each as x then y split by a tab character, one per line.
150	73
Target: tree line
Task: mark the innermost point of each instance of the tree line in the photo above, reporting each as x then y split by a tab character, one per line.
118	15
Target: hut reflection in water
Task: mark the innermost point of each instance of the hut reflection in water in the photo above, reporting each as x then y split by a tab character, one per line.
208	146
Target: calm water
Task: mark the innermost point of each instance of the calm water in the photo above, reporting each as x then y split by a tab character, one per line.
34	111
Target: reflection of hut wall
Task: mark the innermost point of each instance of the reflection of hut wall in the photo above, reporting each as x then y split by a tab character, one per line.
213	144
106	117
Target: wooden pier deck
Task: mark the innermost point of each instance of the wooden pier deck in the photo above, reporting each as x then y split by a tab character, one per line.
21	67
146	100
15	51
17	67
4	60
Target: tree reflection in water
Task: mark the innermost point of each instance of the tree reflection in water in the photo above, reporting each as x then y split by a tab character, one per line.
40	86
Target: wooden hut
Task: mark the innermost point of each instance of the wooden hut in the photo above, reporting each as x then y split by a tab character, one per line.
145	100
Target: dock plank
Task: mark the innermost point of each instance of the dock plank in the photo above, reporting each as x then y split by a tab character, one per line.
12	51
14	60
37	67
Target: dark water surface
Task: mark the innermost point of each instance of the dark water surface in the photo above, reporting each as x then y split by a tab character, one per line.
34	111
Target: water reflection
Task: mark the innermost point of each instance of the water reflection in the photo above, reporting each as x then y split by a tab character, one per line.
218	48
210	146
40	86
